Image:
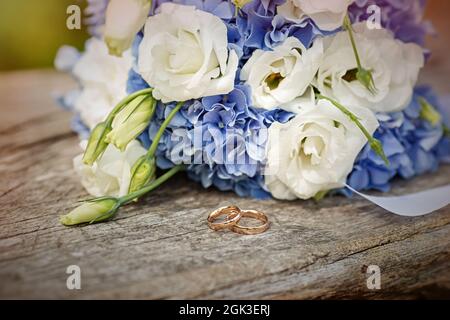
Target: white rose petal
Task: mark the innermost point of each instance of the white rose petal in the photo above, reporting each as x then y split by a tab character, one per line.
315	151
184	54
110	176
124	19
395	68
279	76
328	15
103	79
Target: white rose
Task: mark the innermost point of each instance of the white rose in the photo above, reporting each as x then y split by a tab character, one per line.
103	79
184	54
279	76
315	151
110	175
124	19
395	68
328	15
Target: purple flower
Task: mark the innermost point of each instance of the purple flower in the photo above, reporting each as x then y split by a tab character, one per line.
403	17
96	13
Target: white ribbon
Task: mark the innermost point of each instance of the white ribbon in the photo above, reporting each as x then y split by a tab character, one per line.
412	205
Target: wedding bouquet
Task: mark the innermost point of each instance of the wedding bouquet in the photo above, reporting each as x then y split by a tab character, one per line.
291	99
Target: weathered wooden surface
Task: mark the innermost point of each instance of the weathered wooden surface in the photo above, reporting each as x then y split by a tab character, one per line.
162	248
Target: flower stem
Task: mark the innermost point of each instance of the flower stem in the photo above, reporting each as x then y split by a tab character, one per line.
348	26
364	76
151	152
155	184
375	144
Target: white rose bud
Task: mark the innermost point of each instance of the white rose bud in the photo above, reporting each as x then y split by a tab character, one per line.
131	121
96	144
91	211
124	19
142	172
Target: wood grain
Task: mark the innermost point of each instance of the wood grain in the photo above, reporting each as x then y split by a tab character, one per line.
162	247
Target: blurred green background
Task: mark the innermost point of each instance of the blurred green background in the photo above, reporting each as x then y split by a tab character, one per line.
31	31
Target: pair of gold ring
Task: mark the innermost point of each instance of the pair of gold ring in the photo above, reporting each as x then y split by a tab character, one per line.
233	216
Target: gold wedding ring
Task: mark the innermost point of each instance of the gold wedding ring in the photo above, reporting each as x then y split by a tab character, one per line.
252	230
233	217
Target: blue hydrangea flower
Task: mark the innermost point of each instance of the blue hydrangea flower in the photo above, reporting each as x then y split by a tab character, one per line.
305	31
67	102
79	127
261	28
254	21
220	137
412	144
